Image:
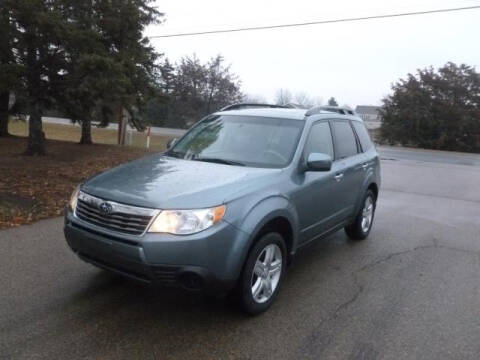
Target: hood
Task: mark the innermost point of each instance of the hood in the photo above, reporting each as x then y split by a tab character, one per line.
162	182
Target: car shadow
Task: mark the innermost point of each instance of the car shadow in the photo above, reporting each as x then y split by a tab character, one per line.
112	303
127	293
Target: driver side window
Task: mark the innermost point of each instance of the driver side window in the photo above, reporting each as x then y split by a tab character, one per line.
319	140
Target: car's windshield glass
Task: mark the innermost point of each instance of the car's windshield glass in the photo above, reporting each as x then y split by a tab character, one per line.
241	140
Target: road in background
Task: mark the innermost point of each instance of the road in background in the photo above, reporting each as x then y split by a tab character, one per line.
421	155
410	291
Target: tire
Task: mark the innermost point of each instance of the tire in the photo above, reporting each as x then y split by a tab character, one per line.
359	229
256	277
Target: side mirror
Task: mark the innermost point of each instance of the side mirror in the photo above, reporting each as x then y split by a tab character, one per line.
319	162
171	142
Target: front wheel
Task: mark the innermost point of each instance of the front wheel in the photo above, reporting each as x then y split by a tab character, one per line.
363	222
263	274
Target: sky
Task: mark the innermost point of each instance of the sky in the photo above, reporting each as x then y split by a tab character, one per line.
354	62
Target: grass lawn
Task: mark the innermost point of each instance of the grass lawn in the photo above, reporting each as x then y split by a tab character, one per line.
99	135
33	188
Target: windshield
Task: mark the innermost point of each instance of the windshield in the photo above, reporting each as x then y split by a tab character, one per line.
241	140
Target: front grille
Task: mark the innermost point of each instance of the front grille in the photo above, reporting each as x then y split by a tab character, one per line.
120	218
113	267
105	235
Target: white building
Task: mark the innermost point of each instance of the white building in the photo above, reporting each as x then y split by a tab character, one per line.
370	115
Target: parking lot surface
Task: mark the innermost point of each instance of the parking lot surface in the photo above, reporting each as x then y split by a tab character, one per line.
410	291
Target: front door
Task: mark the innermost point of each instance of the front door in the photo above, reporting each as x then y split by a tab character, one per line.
315	194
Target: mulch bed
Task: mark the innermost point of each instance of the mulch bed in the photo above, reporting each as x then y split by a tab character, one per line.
33	188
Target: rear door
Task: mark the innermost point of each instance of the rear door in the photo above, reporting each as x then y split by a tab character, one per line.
347	168
365	142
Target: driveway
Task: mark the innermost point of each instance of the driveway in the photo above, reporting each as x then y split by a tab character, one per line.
410	291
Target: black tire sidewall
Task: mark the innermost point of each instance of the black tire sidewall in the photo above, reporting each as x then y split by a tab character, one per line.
247	301
358	221
355	231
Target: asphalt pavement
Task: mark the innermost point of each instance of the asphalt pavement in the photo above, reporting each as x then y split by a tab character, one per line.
443	157
410	291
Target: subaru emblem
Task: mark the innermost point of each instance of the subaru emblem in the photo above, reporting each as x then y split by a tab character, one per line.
106	208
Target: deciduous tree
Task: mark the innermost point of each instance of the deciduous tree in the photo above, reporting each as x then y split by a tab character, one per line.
254	99
191	89
283	97
306	101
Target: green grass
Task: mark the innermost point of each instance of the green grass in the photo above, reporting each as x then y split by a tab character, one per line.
99	136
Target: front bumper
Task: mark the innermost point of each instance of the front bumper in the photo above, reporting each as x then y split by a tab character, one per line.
210	260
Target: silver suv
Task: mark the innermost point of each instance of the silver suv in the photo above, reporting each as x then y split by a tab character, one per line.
231	203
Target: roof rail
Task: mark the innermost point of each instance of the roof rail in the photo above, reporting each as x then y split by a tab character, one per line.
334	109
239	106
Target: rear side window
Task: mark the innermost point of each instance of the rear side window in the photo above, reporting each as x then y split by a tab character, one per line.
363	136
345	142
319	140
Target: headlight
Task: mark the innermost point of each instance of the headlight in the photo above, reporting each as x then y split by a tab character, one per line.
183	222
74	197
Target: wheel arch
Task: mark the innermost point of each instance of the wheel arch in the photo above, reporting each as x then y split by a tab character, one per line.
369	183
281	225
272	214
374	187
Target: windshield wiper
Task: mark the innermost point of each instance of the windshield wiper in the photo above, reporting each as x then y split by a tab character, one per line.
175	154
218	161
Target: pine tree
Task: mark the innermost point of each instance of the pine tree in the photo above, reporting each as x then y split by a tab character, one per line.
9	69
89	68
434	109
39	25
111	64
122	24
332	102
88	58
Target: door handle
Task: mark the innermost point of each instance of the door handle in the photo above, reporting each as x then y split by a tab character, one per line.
365	166
338	177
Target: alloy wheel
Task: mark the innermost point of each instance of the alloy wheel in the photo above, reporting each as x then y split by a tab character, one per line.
266	273
367	214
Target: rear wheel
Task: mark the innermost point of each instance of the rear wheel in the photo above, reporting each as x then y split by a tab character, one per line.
263	274
362	225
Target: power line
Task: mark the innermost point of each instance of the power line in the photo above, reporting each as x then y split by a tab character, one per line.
320	22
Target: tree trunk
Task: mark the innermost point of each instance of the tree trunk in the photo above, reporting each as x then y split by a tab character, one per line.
122	126
36	136
4	99
209	103
86	138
